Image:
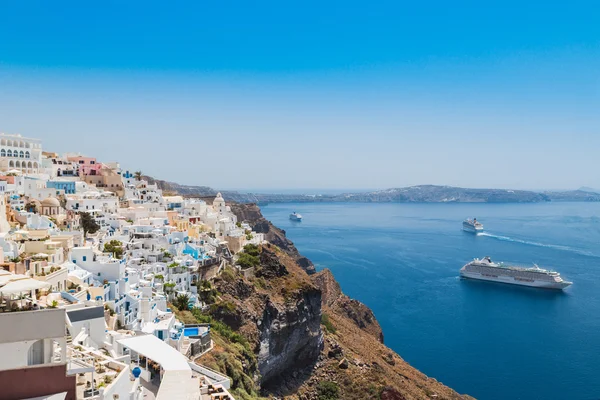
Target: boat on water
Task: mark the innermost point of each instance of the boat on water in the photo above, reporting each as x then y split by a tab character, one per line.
295	216
472	225
486	270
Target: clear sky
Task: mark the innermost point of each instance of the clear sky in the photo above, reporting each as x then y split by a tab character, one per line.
339	94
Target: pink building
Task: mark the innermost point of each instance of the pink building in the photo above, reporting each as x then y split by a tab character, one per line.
87	165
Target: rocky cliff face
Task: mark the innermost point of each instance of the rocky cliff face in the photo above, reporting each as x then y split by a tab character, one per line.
340	304
278	311
311	340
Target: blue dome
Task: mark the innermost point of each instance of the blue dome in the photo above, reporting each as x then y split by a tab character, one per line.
136	372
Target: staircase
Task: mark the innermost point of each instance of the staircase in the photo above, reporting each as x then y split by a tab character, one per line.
185	346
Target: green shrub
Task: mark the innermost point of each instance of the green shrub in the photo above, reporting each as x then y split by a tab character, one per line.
327	323
221	328
228	275
251	249
327	390
246	260
260	282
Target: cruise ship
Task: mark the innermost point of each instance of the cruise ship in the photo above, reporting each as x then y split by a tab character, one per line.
472	225
295	216
487	270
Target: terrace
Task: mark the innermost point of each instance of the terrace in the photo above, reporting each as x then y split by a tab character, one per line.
98	374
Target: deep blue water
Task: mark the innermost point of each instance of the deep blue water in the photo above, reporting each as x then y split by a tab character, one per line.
489	340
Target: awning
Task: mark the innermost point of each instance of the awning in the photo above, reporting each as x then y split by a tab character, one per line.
23	285
155	349
5	278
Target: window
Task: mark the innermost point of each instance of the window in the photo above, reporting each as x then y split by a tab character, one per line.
21	154
27	155
9	153
35	355
3	153
85	258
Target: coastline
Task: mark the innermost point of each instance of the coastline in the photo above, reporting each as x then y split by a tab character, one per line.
356	338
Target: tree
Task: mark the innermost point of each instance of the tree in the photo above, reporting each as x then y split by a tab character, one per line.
181	302
88	223
31	207
115	247
138	175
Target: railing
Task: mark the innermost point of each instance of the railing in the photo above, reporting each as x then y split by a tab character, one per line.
216	377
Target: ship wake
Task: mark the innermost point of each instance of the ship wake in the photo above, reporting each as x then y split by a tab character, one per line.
538	244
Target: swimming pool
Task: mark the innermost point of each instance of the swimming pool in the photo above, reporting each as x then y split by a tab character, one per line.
190	331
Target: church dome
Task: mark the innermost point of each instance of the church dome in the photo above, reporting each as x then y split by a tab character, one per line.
51	202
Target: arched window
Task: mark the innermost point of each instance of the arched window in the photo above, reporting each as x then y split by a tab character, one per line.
21	144
21	154
27	145
2	153
35	355
3	142
9	153
27	155
9	142
11	164
35	165
29	165
18	164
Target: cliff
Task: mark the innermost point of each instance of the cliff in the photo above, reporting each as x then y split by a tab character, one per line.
307	339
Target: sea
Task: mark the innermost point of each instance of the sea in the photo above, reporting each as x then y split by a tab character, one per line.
489	340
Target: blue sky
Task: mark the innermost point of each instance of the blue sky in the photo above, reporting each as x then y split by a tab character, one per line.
312	95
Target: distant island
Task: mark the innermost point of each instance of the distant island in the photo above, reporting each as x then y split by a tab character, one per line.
412	194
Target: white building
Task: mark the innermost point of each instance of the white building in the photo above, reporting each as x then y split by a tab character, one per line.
20	153
34	360
90	201
100	266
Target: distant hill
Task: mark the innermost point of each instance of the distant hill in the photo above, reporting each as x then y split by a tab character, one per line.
412	194
573	195
588	189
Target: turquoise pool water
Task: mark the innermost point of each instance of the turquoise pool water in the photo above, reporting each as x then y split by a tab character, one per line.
190	331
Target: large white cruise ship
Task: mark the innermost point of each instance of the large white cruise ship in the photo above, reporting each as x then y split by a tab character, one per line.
487	270
472	225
